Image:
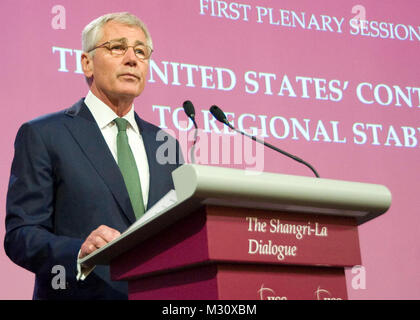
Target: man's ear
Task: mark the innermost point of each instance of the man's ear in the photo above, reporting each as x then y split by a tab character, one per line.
87	64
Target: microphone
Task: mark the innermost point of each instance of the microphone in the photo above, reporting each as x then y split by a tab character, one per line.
190	112
220	116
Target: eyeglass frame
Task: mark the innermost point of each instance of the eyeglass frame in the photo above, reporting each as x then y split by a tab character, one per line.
123	41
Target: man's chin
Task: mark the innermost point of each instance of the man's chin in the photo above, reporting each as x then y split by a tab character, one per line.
128	93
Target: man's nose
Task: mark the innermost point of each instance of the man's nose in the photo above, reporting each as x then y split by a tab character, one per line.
130	57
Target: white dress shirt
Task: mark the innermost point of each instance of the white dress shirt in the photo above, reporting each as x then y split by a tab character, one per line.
104	117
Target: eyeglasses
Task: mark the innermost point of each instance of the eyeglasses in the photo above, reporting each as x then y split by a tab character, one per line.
120	47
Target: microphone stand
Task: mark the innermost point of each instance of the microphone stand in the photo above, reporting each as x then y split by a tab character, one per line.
272	147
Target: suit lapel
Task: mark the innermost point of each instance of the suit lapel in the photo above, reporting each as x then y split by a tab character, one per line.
86	132
150	145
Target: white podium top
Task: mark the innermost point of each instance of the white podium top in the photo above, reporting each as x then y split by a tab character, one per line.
240	188
197	185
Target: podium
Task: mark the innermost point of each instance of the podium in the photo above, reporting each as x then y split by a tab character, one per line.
240	235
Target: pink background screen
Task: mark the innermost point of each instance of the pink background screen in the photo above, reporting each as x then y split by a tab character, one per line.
345	97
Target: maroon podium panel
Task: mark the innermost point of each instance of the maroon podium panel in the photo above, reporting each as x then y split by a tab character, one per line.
249	235
242	282
215	252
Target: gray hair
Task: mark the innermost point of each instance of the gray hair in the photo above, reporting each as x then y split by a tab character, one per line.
94	30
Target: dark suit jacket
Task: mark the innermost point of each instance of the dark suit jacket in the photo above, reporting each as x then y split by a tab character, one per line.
65	183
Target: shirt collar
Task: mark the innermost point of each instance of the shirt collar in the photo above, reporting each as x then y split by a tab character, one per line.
104	115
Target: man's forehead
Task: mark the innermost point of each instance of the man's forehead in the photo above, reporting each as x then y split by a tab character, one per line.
116	30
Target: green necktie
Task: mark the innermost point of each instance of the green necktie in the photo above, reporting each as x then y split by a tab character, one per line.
128	168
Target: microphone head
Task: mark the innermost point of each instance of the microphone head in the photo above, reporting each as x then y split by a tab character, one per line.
189	109
218	114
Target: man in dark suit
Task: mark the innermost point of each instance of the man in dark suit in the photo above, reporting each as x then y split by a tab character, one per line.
69	193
